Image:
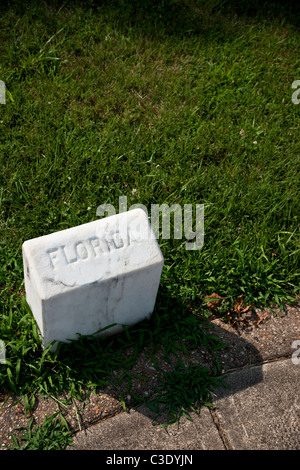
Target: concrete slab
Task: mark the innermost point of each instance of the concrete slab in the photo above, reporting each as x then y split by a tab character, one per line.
135	431
261	414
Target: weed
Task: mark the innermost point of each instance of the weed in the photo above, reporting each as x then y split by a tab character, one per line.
52	434
181	391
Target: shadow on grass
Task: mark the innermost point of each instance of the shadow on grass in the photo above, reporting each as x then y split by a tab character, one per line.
287	10
164	367
160	19
171	362
195	17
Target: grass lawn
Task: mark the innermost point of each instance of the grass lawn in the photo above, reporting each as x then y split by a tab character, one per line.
171	102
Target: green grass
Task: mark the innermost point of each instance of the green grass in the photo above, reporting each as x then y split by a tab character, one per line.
51	435
106	98
86	365
185	389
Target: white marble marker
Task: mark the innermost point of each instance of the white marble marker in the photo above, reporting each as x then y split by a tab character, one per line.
85	278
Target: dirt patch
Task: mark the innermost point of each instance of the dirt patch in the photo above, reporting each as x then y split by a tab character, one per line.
248	343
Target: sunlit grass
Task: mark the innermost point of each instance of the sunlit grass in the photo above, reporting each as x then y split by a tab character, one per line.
185	104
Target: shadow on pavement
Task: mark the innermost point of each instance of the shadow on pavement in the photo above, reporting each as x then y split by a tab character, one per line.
161	366
126	370
160	19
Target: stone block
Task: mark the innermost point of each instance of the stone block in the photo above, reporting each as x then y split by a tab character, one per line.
83	279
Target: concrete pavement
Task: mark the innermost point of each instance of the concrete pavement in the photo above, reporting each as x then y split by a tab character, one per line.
259	411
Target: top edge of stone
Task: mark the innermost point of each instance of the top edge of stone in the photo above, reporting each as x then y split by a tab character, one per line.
104	221
91	252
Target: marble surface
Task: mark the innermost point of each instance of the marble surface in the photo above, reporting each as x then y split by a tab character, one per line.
82	279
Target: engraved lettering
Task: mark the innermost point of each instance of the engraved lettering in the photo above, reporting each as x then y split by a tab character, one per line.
66	253
95	244
118	241
100	245
106	245
83	250
52	252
